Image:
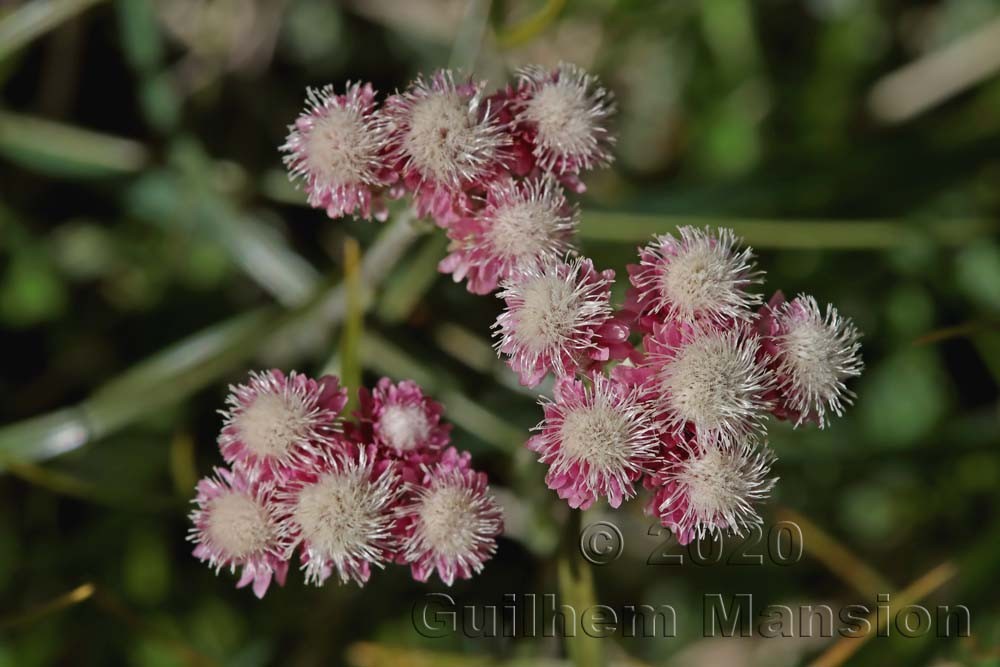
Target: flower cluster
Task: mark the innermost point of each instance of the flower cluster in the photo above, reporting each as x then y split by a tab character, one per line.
382	488
490	169
672	389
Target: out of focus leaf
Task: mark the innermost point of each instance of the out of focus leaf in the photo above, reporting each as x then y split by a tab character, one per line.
185	201
79	594
407	286
470	35
218	628
168	376
188	365
10	553
728	142
836	556
161	102
146	567
923	586
312	32
182	465
62	150
83	250
140	35
977	271
33	19
65	484
30	290
903	398
729	31
988	345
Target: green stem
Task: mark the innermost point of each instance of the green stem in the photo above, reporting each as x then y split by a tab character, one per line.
576	588
619	227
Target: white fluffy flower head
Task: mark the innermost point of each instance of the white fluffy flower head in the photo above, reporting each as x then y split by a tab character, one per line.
273	420
716	382
343	519
719	486
529	224
552	311
701	275
455	525
442	130
603	435
335	148
817	352
239	524
569	111
404	426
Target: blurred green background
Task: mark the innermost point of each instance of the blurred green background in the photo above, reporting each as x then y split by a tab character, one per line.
151	251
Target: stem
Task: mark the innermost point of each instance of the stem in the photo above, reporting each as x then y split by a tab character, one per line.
576	588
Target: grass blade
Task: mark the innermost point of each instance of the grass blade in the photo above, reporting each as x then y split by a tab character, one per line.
531	27
62	150
635	228
410	284
33	19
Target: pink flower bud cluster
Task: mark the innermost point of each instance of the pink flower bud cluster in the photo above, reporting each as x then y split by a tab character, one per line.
382	488
490	169
672	389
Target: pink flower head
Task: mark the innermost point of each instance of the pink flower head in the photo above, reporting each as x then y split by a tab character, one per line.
713	380
341	513
813	354
557	318
703	491
235	526
597	438
702	276
335	148
452	523
564	113
404	421
442	139
523	224
275	423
